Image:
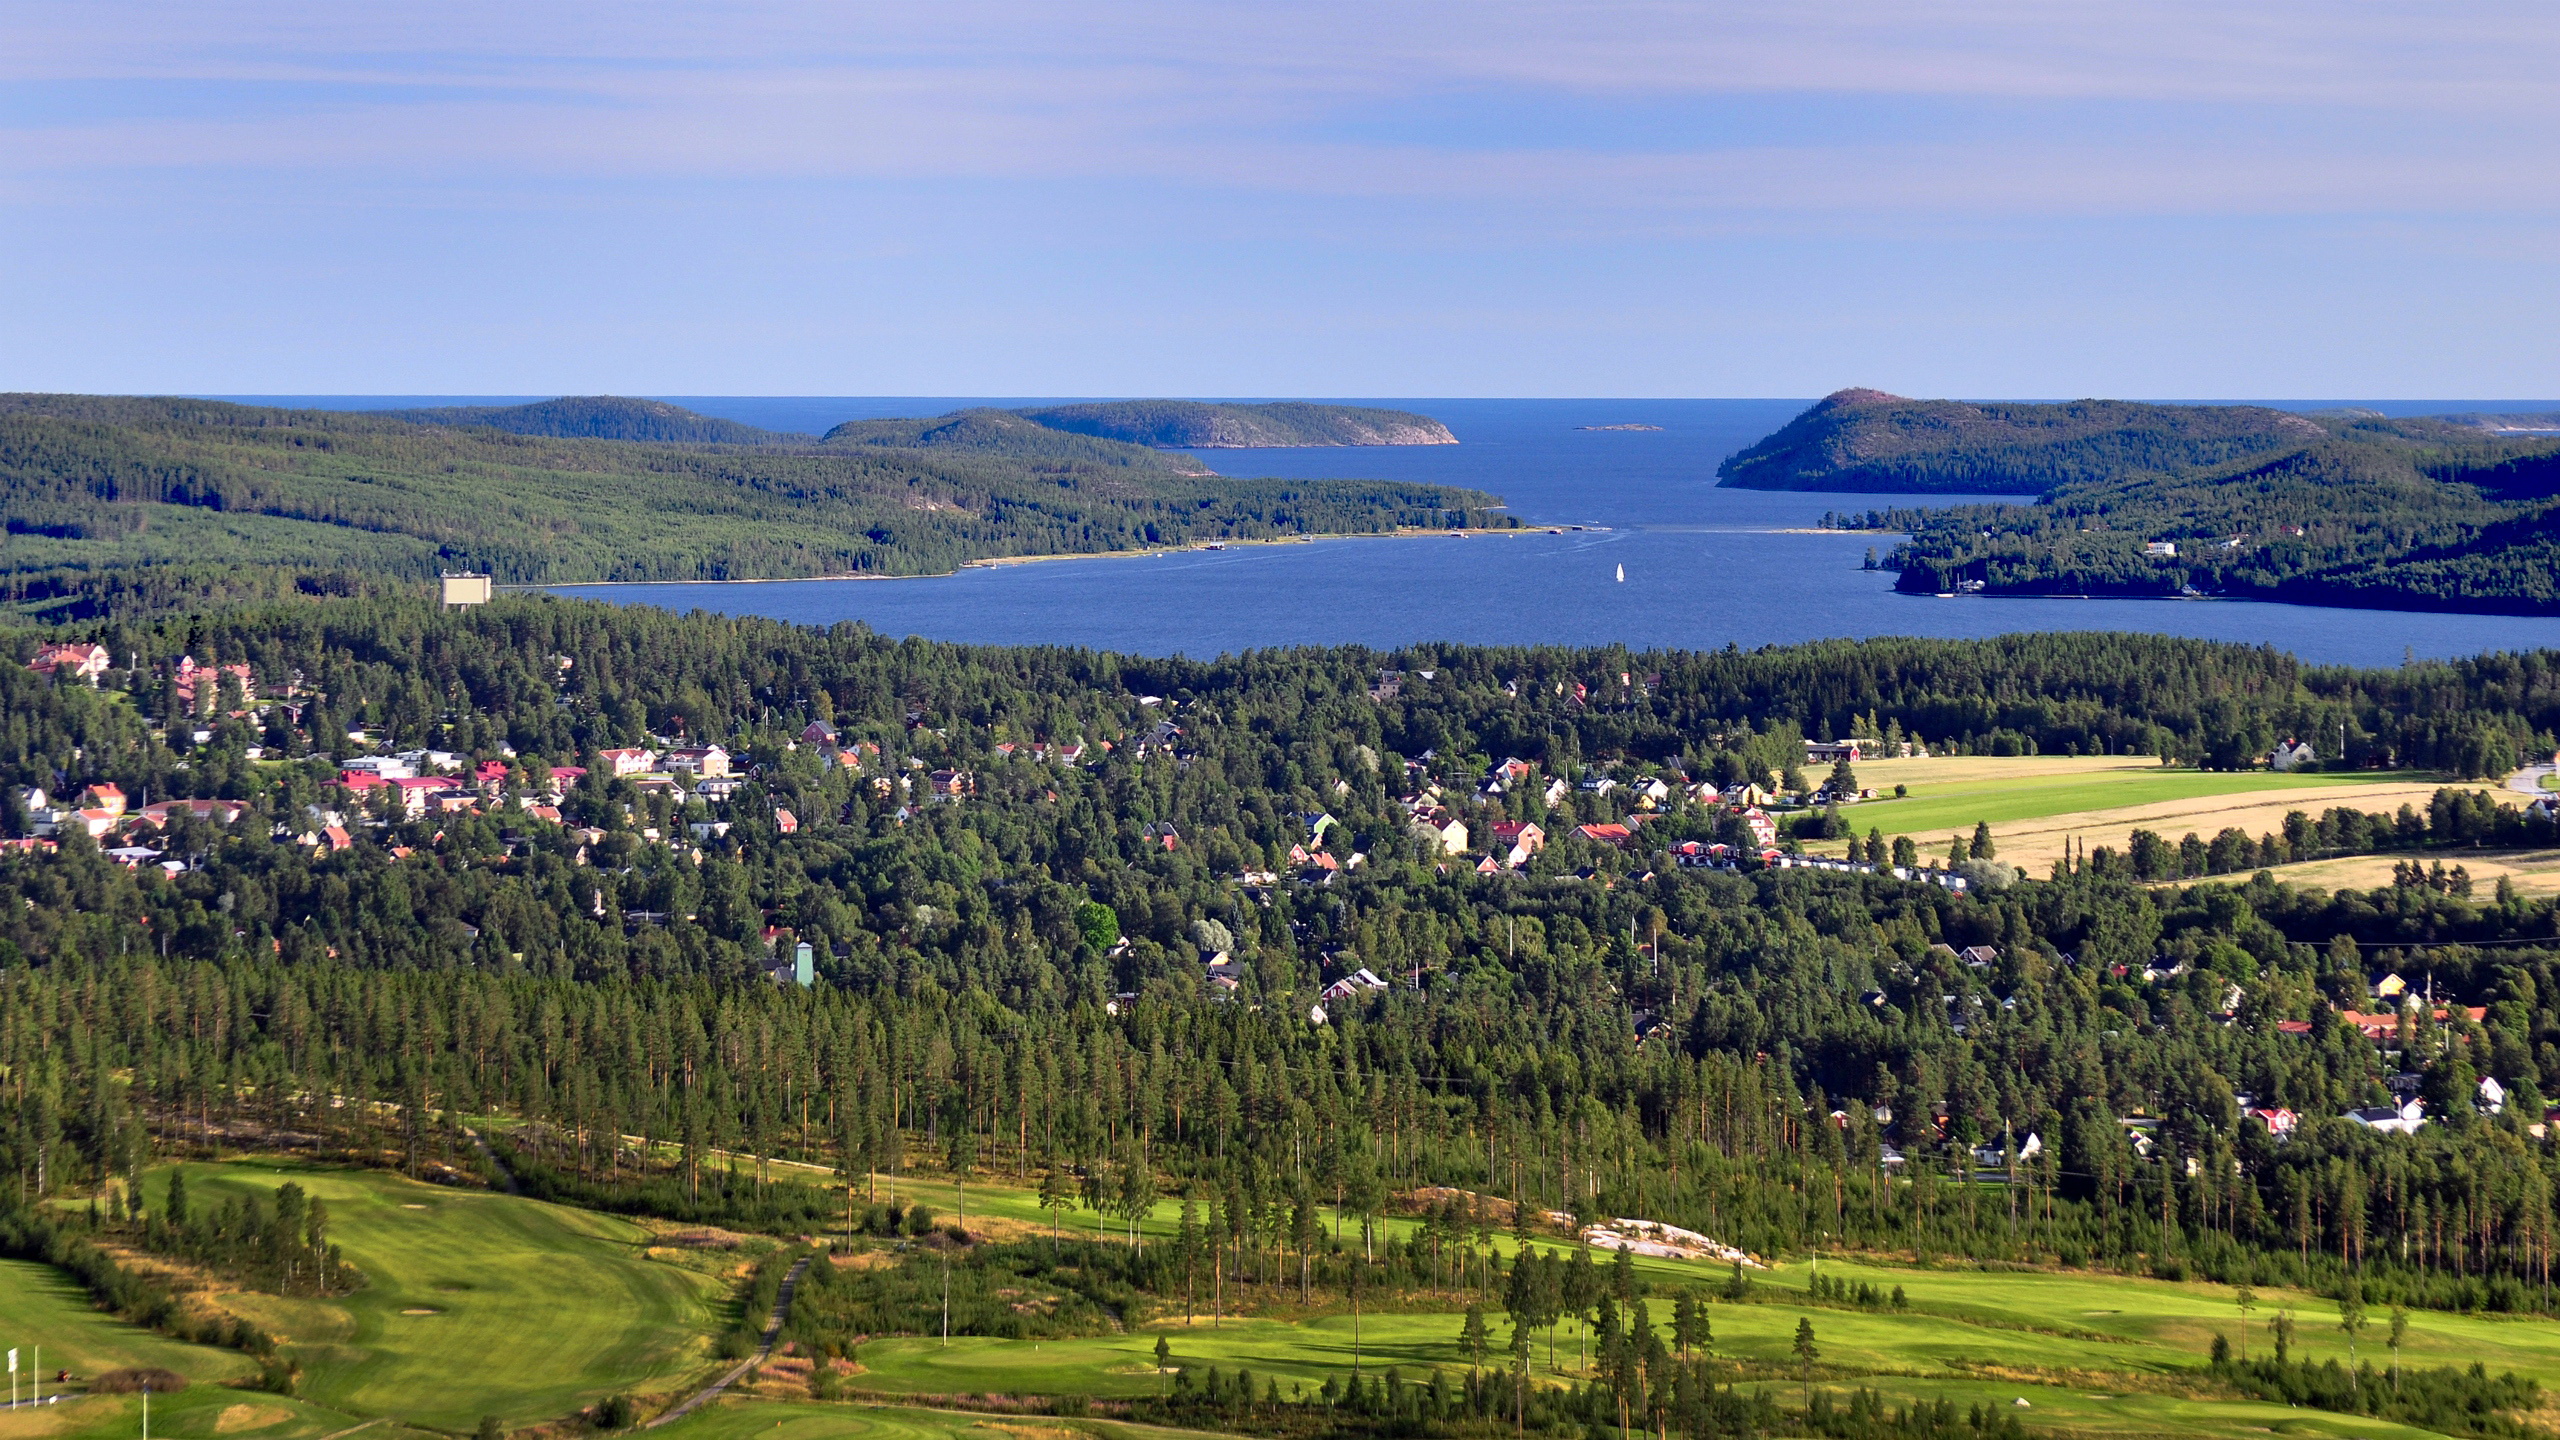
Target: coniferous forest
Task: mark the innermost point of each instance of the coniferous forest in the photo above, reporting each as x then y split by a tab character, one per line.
1011	867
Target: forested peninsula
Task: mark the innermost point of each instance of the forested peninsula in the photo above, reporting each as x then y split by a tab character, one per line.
2345	507
109	498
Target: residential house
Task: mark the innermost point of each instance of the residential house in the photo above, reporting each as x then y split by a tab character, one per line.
196	685
818	732
1162	832
1827	752
1440	828
103	796
632	761
72	662
706	760
1556	790
1358	982
2161	549
1610	835
1516	842
1764	831
2291	755
2389	1119
952	784
221	812
785	821
419	792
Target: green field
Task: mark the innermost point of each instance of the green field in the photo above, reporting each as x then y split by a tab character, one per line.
801	1420
537	1310
2090	1352
1936	808
42	1307
476	1303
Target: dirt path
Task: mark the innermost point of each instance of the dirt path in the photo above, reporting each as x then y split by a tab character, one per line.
764	1352
491	1156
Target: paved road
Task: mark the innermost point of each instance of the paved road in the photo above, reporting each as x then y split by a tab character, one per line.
772	1336
2529	780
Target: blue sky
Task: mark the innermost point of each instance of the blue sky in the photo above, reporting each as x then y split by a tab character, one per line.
1282	198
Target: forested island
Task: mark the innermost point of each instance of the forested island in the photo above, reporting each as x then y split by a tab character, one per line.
109	497
2339	508
1198	425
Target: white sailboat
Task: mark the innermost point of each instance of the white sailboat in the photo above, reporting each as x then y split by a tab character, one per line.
1622	574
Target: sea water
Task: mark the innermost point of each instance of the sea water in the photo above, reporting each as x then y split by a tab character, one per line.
1705	567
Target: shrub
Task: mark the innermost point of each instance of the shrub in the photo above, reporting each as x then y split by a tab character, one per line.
126	1382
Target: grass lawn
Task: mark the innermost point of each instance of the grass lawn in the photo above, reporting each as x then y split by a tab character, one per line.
41	1306
802	1420
476	1303
2094	1353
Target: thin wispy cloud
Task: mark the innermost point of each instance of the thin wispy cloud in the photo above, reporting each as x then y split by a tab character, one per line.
1523	141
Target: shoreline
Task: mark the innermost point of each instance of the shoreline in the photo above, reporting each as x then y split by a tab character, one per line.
992	562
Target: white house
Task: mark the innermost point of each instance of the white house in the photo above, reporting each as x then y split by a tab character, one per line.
2291	755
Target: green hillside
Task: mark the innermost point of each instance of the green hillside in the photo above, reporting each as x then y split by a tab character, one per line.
601	417
1194	424
95	489
1866	440
2385	514
1012	435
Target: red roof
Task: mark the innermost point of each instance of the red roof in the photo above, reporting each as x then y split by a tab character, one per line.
360	779
1605	834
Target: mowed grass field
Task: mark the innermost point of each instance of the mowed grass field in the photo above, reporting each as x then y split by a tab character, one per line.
2035	803
476	1304
42	1306
2092	1353
804	1421
531	1311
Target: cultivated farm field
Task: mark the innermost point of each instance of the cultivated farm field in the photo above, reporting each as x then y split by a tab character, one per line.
2035	803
